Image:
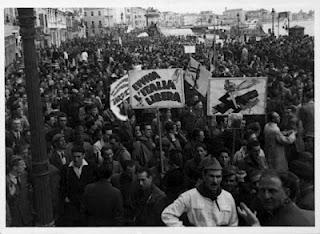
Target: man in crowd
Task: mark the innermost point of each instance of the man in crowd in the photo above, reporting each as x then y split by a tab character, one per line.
74	179
276	192
275	142
150	200
102	203
205	205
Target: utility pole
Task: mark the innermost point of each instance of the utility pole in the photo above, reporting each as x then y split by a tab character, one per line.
40	164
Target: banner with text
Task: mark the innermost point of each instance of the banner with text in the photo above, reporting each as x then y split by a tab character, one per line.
119	93
245	95
161	88
189	49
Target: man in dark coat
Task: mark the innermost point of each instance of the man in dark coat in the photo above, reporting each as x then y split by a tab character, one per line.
277	192
18	193
150	201
102	203
75	177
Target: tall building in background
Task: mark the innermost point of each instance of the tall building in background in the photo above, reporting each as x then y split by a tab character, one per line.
135	17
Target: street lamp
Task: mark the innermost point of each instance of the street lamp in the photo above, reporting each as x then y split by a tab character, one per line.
272	13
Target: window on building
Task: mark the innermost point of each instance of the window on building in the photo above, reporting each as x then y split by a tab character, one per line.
92	24
100	24
85	13
99	13
91	13
93	31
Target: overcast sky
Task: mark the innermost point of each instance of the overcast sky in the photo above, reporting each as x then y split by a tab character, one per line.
181	6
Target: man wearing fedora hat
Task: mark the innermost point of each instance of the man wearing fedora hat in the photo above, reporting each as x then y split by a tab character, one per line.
205	205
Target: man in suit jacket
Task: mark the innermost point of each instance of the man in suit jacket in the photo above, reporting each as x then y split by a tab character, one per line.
75	177
102	203
18	193
58	157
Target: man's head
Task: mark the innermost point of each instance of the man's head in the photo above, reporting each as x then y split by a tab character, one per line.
59	142
129	167
115	141
253	149
274	117
201	151
17	165
107	153
178	124
224	157
78	154
137	131
197	135
147	131
229	178
144	178
104	173
277	188
62	120
16	125
212	174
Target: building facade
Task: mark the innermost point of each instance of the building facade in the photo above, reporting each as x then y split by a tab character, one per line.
189	19
12	37
135	17
170	19
262	15
232	16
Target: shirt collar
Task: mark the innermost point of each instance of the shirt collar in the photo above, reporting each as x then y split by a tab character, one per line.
84	163
13	178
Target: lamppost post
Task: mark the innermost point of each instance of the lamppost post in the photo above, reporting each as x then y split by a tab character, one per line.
40	163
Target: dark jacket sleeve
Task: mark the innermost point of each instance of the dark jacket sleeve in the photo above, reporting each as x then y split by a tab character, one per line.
118	210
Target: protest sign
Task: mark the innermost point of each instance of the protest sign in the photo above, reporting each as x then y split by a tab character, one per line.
119	92
161	88
197	76
245	95
189	49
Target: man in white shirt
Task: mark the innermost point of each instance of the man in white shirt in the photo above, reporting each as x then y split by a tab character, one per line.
205	205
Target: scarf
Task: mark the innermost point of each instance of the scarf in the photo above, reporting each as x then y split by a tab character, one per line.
204	191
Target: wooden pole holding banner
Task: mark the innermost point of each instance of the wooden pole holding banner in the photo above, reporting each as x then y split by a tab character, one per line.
160	139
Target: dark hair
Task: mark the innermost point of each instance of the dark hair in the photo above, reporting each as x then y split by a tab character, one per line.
169	126
224	150
144	169
195	133
104	172
128	163
201	145
14	160
116	137
62	114
77	148
288	180
252	144
106	147
270	116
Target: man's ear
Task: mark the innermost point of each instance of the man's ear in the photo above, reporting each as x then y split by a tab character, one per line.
287	191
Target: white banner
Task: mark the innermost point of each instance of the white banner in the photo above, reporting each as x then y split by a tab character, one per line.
245	95
119	93
161	88
189	49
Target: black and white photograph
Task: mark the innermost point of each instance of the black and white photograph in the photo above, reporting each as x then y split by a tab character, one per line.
159	114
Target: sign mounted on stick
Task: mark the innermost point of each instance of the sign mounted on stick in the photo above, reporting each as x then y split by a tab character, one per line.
245	95
189	49
160	88
119	93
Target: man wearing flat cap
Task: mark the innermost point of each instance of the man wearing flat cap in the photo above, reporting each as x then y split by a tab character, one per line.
205	205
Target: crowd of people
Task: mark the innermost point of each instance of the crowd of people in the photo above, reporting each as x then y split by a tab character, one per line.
107	172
